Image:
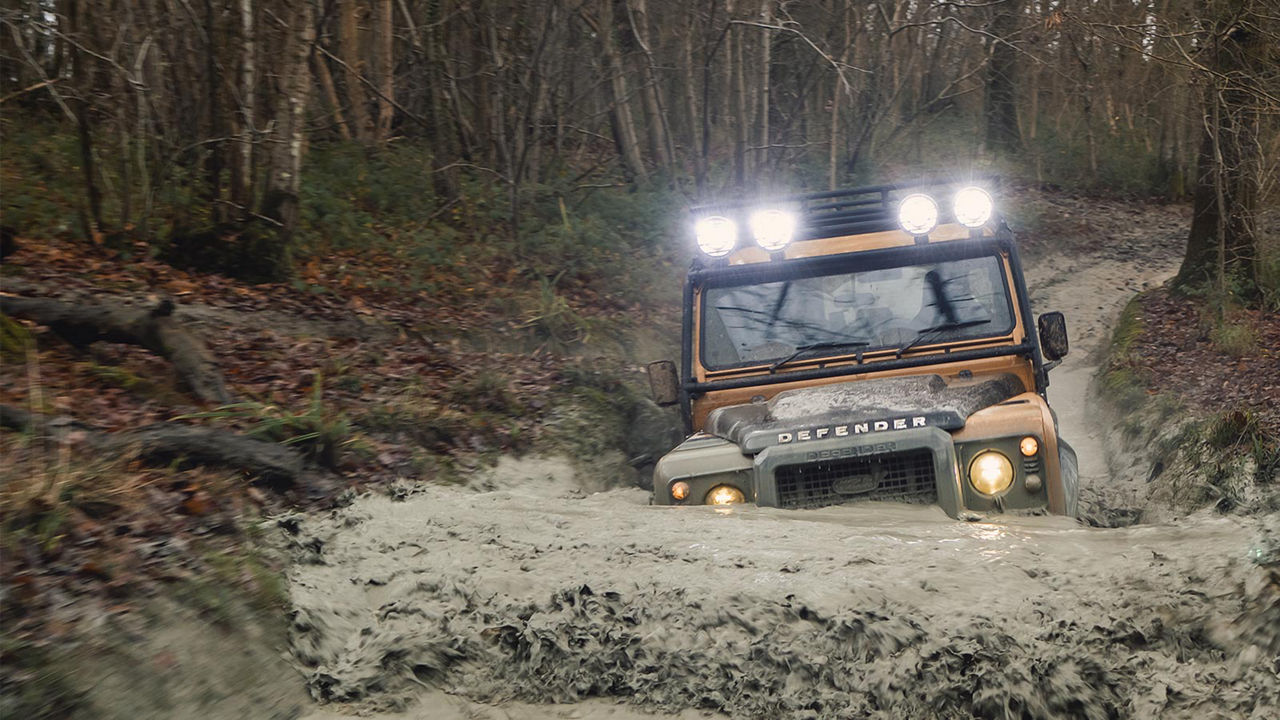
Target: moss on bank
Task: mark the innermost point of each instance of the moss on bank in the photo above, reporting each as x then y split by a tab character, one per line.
1195	458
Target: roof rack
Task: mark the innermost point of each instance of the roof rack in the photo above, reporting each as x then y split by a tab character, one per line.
849	211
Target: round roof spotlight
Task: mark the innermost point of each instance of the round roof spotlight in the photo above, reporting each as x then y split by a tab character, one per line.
973	207
716	235
918	214
773	229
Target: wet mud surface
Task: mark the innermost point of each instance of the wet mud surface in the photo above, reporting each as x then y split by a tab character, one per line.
538	593
889	611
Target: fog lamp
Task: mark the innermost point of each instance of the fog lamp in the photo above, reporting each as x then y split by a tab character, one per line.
725	495
772	228
680	490
716	235
1029	446
918	214
973	207
990	472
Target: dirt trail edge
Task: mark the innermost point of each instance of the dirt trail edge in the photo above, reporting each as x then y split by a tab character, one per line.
540	586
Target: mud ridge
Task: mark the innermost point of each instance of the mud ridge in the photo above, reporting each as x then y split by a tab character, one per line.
547	610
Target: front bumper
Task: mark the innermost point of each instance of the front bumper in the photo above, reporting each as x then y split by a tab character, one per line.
920	465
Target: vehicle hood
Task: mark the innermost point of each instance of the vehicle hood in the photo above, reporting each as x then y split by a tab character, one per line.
859	407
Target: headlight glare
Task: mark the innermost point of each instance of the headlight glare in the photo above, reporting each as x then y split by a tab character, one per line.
717	235
772	229
725	495
1029	446
990	472
973	207
918	214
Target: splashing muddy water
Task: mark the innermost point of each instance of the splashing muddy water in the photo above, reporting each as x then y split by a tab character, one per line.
536	594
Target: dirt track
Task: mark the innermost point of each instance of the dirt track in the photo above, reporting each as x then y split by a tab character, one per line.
460	603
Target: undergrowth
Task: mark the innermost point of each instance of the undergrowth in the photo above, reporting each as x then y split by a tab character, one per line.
43	483
36	684
1122	378
1229	461
320	431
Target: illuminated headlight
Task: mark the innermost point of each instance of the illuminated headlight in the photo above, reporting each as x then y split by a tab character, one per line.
716	235
1029	446
918	214
973	207
990	472
679	490
772	228
725	495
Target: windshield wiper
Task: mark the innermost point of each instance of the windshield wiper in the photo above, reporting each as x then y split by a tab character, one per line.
931	331
825	345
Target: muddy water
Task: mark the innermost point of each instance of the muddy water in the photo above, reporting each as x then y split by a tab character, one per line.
533	595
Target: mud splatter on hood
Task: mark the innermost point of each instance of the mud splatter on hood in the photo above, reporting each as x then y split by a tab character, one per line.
947	406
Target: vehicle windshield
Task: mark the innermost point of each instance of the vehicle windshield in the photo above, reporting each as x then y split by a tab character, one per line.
839	314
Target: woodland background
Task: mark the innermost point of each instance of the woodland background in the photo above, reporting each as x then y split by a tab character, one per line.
234	135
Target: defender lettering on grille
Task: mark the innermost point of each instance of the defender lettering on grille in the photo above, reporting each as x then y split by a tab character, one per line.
902	423
856	451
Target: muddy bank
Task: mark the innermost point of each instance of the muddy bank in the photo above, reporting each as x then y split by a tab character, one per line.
541	594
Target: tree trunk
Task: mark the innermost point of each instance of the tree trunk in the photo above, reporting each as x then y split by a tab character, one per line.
293	86
325	78
349	51
659	132
385	61
1223	238
242	182
1001	100
214	162
83	79
766	57
693	126
621	118
154	329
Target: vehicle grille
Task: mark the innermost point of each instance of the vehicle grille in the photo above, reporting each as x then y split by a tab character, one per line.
903	476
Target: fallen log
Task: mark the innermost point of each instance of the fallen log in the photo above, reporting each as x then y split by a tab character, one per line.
163	443
153	329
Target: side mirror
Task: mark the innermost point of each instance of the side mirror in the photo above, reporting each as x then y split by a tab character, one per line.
1053	335
664	382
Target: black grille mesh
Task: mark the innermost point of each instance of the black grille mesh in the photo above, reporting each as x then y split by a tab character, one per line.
902	476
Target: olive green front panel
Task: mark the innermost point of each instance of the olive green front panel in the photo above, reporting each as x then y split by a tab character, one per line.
936	440
703	461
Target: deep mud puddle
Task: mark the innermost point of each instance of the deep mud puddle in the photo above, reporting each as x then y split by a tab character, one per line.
878	610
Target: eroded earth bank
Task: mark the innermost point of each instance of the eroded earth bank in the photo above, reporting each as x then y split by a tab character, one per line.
541	591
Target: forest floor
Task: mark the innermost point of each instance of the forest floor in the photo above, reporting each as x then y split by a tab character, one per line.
545	578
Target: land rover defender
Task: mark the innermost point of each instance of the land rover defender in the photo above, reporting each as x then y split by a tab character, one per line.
872	343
